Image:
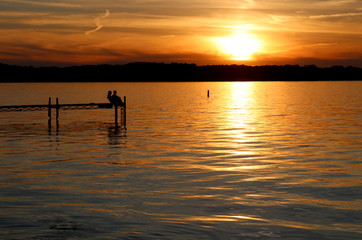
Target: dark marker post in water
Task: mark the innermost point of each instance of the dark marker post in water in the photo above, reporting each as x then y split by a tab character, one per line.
208	93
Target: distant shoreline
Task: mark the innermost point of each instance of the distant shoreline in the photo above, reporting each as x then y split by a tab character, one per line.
176	72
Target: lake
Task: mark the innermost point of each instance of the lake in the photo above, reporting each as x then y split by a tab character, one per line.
254	160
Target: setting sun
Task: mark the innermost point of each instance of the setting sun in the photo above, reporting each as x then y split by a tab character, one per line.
240	46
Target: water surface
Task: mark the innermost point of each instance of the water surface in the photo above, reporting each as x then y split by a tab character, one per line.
255	160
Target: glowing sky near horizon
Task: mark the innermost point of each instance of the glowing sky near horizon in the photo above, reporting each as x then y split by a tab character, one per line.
252	32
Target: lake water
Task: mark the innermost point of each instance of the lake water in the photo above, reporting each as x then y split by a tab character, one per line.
255	160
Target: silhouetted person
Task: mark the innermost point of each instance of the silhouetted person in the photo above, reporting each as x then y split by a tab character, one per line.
109	96
114	99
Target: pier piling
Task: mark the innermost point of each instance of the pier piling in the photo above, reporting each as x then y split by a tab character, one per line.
50	113
124	112
57	114
116	115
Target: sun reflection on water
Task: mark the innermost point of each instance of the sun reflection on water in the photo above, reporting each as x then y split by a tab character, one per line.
239	119
241	96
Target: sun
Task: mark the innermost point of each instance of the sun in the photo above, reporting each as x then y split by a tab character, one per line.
240	46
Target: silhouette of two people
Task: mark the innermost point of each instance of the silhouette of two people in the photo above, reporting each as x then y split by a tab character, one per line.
114	99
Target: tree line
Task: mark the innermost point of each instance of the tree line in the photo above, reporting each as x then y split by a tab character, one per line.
148	71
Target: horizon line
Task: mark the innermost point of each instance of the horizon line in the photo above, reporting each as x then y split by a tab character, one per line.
175	63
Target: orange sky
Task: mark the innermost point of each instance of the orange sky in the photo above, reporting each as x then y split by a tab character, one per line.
252	32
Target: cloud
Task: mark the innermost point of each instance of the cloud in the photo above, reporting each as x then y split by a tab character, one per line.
48	4
335	2
354	60
248	4
337	15
98	23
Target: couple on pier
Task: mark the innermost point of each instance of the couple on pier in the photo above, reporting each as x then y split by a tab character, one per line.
115	99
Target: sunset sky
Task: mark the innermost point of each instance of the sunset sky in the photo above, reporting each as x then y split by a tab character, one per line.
251	32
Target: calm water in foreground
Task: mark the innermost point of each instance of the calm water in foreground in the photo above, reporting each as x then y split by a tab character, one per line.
256	160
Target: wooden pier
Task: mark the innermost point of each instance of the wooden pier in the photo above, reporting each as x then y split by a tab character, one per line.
57	107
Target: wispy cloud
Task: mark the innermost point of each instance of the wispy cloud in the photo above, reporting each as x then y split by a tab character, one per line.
336	15
246	4
338	2
49	4
98	23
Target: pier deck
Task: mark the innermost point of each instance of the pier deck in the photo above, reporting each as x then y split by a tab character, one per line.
59	106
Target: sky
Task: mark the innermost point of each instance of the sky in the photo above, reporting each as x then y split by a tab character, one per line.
205	32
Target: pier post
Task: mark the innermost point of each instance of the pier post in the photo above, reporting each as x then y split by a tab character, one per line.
208	93
116	115
50	113
57	113
124	112
121	112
